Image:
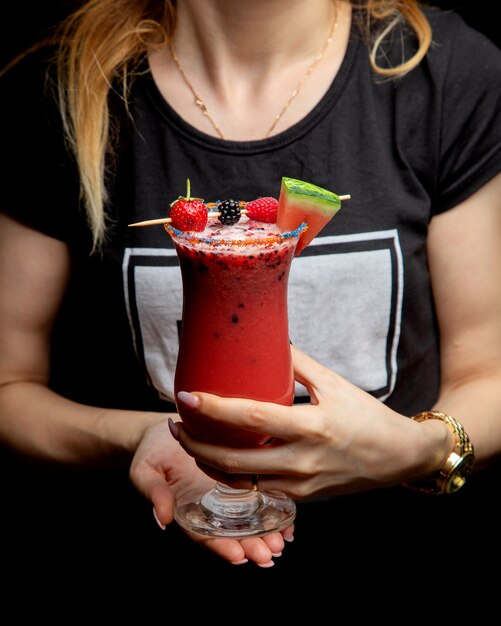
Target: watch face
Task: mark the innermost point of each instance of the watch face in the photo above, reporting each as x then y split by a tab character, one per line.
460	473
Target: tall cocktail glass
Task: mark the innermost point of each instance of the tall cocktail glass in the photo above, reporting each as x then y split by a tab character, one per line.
234	342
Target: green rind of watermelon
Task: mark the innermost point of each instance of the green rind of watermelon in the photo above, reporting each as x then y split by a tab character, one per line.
300	202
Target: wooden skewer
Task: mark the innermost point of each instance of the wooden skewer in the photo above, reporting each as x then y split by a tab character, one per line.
167	220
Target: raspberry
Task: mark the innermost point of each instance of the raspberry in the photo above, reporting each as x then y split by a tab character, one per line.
230	212
188	214
263	210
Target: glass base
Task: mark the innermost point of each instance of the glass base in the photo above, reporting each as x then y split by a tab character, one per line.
235	513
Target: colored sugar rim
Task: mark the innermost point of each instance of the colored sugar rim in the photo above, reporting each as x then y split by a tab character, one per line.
267	241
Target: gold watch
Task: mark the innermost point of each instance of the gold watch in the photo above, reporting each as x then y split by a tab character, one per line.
458	465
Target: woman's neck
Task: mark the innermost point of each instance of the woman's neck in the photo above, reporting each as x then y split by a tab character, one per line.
245	59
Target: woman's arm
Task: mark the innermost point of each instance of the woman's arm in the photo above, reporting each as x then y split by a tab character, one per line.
465	264
34	270
348	441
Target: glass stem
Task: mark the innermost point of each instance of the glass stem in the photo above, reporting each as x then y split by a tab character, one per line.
224	501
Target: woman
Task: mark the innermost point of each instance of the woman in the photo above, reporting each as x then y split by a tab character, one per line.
357	99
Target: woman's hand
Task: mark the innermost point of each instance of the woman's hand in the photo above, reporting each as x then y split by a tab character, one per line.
163	472
344	441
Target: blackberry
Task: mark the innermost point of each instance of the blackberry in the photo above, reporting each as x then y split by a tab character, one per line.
230	212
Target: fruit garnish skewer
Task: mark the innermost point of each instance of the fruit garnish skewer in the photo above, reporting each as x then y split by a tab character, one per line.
168	220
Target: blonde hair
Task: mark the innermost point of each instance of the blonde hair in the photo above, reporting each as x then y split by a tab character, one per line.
102	44
390	14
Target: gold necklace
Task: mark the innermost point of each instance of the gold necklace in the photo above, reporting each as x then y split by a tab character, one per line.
203	107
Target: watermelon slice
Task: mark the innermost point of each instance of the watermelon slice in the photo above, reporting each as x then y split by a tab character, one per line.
305	202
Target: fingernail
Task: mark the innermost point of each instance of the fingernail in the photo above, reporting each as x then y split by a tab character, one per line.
276	554
266	565
174	428
289	538
242	562
188	399
162	526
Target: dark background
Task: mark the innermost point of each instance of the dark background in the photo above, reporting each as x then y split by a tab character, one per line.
21	23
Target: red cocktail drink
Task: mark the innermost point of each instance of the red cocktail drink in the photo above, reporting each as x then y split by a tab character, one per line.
234	343
234	338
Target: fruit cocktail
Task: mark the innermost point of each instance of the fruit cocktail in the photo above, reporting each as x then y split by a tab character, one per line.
235	343
234	338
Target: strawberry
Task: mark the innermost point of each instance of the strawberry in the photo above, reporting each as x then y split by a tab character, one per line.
263	210
188	213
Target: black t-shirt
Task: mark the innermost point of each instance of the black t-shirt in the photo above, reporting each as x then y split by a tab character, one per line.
360	296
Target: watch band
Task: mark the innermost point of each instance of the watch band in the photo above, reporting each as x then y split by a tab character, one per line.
458	465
